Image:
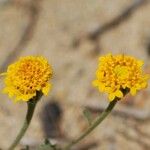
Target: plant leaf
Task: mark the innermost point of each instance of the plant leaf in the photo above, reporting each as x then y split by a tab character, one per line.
47	146
88	115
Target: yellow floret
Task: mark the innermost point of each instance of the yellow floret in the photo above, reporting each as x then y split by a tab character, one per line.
27	76
120	73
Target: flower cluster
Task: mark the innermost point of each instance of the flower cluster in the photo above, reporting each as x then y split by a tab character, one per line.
28	79
118	73
115	75
27	76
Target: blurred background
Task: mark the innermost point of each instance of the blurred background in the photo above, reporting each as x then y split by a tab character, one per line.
72	34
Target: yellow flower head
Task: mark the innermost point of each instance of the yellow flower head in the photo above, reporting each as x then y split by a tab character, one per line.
120	73
27	76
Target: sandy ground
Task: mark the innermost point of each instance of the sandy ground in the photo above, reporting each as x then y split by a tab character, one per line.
72	34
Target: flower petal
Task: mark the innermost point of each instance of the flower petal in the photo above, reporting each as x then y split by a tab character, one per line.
119	94
95	83
111	96
133	91
46	89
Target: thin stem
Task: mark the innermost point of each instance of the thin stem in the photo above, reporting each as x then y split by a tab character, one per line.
97	121
31	107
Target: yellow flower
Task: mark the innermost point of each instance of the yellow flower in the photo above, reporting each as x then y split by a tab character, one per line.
27	76
120	73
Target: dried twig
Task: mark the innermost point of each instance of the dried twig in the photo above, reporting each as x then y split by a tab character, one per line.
139	141
123	112
87	146
141	134
33	9
118	20
99	31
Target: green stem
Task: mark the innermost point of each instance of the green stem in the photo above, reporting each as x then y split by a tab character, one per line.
31	107
97	121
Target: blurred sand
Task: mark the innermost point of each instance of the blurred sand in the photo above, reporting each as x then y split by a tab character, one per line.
59	29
